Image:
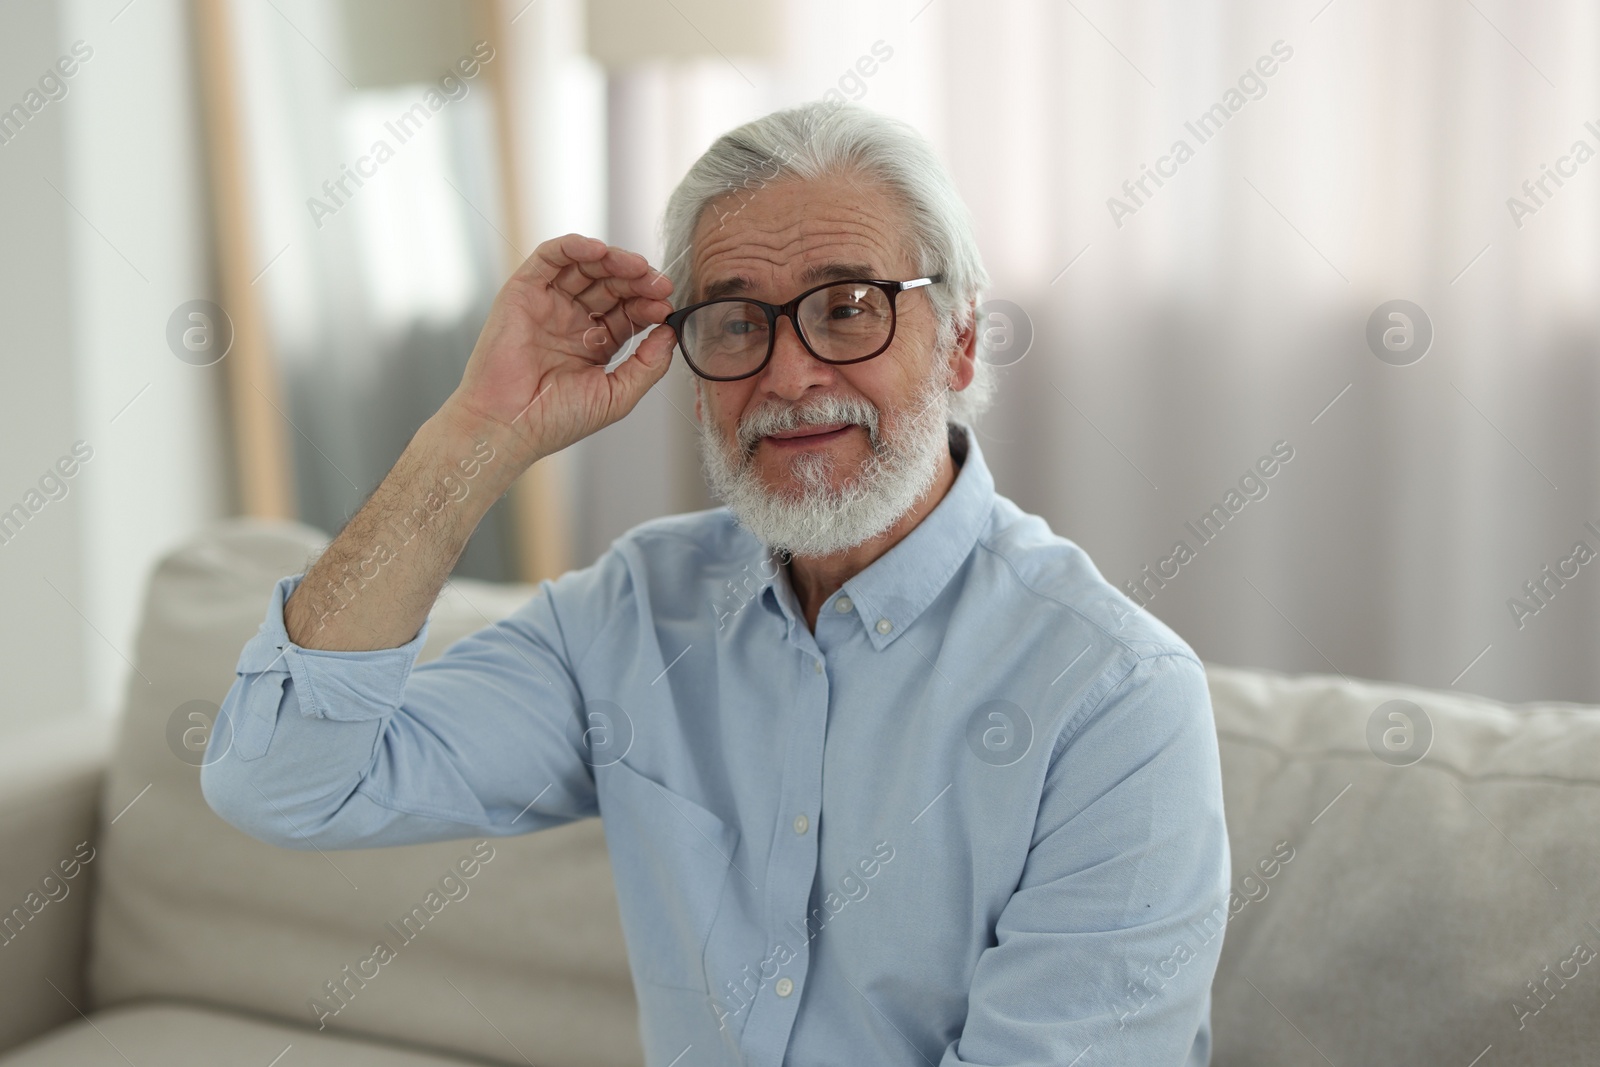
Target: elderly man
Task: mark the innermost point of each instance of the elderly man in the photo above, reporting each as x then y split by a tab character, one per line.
889	774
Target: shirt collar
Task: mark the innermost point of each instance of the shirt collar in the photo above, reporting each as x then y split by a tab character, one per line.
890	594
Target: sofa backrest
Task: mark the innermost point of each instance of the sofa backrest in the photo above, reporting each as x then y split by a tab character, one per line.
1387	910
1431	908
529	963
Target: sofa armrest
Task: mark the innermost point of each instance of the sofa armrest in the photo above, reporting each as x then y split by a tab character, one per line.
50	782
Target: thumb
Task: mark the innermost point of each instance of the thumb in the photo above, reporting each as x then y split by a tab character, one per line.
637	374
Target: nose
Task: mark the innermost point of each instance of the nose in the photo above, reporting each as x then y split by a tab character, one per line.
793	369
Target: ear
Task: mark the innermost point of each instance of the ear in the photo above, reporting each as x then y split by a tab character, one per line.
964	353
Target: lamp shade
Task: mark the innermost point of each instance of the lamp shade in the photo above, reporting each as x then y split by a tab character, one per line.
623	33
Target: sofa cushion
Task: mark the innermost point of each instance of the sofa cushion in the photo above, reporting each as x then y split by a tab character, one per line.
175	1035
188	908
1416	910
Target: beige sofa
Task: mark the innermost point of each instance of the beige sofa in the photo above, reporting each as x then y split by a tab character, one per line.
1385	914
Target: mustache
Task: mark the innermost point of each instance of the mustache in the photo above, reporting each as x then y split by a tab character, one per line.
770	420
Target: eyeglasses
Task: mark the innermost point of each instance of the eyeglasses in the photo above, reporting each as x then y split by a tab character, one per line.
730	338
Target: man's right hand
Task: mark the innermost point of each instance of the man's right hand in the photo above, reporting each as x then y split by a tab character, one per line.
536	379
535	383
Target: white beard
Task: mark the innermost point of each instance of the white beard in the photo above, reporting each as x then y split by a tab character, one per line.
822	520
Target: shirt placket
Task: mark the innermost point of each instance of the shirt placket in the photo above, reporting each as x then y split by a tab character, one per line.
792	869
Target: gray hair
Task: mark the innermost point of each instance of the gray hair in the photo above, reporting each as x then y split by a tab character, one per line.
824	139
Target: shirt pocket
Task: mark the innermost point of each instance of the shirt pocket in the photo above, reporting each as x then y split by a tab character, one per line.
670	859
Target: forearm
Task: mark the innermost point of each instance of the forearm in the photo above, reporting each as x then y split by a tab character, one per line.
375	584
350	749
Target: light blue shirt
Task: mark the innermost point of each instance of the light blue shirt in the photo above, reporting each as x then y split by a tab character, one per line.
975	818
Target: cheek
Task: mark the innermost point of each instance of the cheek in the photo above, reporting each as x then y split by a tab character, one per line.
892	381
912	348
721	405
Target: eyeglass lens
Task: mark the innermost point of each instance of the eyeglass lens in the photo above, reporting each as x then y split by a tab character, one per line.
841	322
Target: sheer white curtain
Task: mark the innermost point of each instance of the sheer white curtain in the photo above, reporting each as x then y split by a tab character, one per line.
1340	156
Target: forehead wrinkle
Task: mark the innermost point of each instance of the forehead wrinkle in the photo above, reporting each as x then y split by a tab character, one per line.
778	216
855	239
783	240
821	271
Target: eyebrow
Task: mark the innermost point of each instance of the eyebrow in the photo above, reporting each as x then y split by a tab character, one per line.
815	274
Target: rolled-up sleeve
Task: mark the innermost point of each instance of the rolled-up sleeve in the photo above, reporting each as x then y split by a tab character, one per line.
327	749
1107	948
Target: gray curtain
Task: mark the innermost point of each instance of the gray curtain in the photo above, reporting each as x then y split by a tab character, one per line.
1179	338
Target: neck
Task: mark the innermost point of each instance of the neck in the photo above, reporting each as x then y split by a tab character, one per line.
816	578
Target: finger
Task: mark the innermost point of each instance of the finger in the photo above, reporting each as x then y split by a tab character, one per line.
617	264
559	253
607	293
635	375
600	293
610	331
646	311
572	279
604	335
636	316
651	283
625	263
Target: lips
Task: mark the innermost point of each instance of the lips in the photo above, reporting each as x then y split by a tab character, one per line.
809	431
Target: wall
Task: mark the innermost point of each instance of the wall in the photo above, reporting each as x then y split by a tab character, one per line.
104	259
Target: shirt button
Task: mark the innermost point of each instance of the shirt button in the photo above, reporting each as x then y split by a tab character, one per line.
884	626
784	987
816	665
842	605
801	823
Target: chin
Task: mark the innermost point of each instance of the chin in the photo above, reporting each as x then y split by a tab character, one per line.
793	477
791	489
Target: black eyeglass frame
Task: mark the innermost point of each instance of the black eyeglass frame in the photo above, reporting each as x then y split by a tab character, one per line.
773	311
